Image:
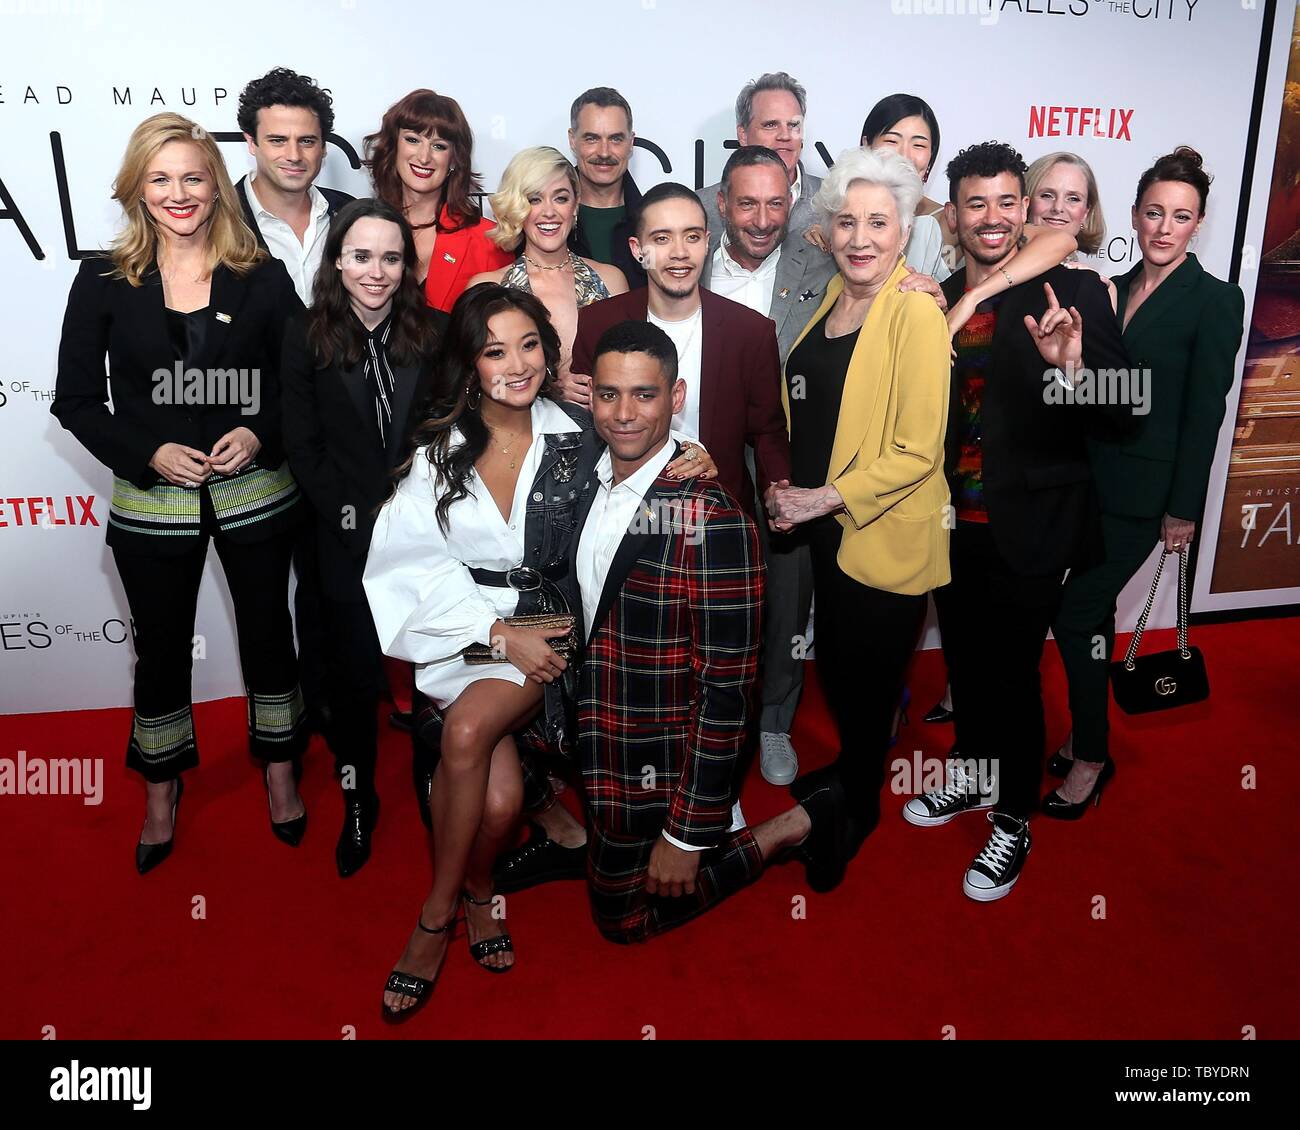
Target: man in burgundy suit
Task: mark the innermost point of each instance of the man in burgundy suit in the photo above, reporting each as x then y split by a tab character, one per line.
727	353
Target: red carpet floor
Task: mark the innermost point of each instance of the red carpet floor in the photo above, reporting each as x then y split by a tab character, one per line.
1195	940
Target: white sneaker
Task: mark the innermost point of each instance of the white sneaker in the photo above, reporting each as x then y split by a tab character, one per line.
777	760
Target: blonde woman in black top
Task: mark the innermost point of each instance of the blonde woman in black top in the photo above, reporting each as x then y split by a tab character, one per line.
190	314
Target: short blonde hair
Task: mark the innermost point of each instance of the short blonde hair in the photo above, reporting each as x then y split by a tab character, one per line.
529	171
135	250
1094	223
881	166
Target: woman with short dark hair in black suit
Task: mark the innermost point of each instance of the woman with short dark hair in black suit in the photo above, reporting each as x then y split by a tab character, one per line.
355	370
191	315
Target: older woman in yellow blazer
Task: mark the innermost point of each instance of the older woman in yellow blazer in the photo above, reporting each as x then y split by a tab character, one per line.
866	396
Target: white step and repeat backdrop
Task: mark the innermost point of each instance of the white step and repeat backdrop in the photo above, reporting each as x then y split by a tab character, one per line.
77	75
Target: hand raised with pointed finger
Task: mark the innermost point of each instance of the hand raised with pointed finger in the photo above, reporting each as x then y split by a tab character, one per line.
1059	336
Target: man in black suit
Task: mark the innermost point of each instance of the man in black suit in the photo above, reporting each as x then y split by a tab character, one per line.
1023	499
286	118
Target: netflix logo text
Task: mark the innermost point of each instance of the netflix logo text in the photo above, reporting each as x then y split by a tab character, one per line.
47	511
1080	121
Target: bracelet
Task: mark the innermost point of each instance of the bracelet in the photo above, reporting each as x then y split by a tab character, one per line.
1005	275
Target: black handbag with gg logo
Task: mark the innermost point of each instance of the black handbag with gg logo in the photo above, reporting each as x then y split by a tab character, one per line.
1163	679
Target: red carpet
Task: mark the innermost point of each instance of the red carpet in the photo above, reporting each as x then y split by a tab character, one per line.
1195	942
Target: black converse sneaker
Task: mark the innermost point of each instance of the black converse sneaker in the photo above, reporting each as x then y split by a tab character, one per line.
960	794
998	866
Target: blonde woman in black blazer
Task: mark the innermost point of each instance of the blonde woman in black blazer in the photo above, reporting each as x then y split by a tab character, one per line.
190	314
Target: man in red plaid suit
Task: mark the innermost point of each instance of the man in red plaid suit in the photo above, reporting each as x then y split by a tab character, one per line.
671	578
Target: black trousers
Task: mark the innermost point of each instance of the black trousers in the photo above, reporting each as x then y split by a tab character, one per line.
163	593
1087	618
354	684
311	620
863	639
995	621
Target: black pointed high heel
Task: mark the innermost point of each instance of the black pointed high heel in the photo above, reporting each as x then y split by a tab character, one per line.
1059	809
289	832
1058	765
148	856
410	985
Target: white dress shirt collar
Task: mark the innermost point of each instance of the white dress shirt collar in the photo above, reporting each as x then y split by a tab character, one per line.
319	205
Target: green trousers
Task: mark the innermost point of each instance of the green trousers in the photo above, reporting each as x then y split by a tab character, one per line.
1085	627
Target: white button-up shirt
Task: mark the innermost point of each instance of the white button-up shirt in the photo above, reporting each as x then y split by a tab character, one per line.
301	259
614	511
750	288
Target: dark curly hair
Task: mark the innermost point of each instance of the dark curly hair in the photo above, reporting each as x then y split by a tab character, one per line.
425	112
283	87
987	159
457	383
335	333
1184	165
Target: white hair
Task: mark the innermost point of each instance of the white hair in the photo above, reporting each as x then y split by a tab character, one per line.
881	166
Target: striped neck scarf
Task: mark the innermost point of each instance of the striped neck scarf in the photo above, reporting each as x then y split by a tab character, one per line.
379	376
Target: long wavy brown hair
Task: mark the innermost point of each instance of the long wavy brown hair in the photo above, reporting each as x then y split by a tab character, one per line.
334	332
134	252
428	113
457	393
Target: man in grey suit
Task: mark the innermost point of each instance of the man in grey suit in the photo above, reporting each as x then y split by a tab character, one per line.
770	111
757	258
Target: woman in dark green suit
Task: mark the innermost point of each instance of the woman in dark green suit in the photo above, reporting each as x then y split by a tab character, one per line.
1182	329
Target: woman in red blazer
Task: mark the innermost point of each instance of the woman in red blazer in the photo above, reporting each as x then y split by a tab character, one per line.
421	163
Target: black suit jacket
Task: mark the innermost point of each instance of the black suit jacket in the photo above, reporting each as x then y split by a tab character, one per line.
335	453
621	253
333	197
245	327
1038	485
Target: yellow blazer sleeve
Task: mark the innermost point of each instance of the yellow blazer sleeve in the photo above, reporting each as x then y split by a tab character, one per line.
920	371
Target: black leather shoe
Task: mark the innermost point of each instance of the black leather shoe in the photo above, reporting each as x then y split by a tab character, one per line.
1060	809
830	844
353	848
288	832
148	856
540	860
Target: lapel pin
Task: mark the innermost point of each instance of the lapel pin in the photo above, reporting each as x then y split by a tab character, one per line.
449	256
223	318
807	294
785	292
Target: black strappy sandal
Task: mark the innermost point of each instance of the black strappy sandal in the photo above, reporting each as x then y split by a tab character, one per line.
488	946
410	985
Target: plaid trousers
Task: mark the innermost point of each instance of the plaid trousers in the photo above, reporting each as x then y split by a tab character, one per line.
616	877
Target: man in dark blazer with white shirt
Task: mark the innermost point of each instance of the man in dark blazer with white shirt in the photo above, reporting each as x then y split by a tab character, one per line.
758	259
285	118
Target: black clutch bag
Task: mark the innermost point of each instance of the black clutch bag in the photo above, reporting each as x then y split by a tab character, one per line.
1163	679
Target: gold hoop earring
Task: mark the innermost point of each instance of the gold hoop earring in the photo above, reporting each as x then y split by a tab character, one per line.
478	399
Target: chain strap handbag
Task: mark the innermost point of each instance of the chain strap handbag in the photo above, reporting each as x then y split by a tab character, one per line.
1163	679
